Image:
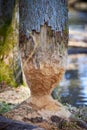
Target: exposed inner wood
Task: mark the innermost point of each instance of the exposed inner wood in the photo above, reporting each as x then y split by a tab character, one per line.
44	60
43	56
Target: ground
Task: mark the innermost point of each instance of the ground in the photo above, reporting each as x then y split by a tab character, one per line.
25	111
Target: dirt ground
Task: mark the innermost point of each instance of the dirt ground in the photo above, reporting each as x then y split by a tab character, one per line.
14	95
25	111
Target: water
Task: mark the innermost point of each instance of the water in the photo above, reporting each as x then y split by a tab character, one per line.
73	87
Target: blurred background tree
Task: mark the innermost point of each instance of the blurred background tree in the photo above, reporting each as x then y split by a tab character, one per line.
10	63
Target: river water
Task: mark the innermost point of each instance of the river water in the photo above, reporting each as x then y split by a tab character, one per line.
73	87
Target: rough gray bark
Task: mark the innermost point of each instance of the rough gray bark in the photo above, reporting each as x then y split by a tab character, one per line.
34	13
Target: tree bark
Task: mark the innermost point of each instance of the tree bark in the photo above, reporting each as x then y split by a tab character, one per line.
8	124
43	45
9	42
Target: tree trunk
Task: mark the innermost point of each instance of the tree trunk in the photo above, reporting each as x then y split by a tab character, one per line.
43	46
9	42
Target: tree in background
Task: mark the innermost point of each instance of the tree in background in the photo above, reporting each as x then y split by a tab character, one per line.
9	54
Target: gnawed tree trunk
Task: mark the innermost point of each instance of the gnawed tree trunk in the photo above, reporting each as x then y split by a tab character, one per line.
43	45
